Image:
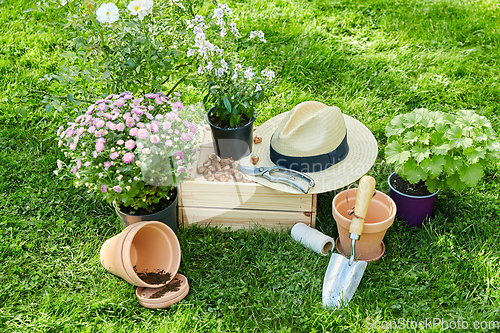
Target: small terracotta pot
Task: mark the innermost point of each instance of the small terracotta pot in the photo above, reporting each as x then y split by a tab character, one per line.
379	218
146	246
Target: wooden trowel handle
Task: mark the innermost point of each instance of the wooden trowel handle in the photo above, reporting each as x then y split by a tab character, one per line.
364	196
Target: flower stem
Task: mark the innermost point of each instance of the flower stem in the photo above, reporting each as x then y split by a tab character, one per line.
101	36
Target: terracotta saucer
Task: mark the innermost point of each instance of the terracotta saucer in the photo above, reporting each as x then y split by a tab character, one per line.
155	298
377	257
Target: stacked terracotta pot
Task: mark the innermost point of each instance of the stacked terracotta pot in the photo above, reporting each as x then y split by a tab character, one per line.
147	255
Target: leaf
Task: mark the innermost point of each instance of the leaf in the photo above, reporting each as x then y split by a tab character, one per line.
420	153
470	175
434	183
455	183
441	149
434	165
452	164
411	119
227	104
414	173
474	154
70	97
395	154
455	135
48	108
395	127
410	137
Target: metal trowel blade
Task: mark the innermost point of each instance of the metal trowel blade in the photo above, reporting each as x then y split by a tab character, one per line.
341	280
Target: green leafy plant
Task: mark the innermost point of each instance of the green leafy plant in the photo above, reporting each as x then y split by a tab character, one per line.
443	150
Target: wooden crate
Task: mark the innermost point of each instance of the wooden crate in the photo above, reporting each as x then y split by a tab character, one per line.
240	205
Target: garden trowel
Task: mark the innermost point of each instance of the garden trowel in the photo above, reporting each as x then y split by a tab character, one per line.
343	275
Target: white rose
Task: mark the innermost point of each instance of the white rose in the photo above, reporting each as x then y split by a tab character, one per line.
107	13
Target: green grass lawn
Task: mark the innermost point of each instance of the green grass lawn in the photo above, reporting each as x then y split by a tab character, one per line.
372	58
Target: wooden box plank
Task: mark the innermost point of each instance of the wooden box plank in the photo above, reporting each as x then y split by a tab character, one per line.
241	218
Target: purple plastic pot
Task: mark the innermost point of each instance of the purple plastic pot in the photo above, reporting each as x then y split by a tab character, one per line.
412	209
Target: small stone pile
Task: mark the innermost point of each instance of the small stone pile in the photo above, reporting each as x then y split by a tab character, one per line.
222	170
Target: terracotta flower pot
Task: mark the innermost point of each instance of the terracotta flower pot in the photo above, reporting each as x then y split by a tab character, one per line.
379	218
149	246
167	216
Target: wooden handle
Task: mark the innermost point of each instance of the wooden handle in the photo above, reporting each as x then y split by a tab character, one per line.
363	199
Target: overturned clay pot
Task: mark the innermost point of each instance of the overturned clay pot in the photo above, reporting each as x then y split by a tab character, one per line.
143	248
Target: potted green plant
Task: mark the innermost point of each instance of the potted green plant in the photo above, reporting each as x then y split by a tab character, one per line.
133	152
233	90
432	150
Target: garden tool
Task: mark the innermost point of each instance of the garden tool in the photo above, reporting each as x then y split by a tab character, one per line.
343	275
287	176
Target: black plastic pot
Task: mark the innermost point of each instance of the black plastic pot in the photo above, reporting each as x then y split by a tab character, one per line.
167	216
232	142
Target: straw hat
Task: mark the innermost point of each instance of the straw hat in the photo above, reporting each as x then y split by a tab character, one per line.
332	148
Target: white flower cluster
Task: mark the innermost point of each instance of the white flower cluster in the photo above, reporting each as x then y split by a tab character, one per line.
214	59
109	12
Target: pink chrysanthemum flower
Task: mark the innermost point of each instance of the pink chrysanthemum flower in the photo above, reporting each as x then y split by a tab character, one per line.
104	189
114	155
143	133
128	158
120	127
80	131
179	155
166	125
99	123
130	144
130	122
99	146
185	137
153	127
169	143
59	164
120	142
119	103
133	131
107	165
154	138
138	111
117	189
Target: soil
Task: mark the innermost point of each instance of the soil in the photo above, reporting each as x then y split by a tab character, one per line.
161	205
153	277
214	120
406	187
174	285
